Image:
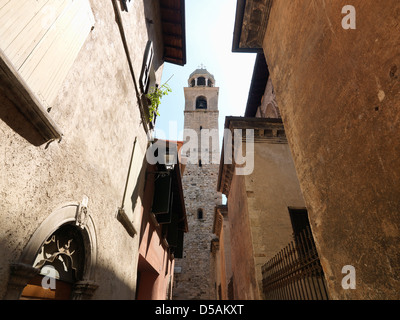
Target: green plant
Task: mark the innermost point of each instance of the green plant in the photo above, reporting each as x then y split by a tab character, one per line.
155	95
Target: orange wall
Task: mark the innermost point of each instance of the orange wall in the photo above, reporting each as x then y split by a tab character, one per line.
155	268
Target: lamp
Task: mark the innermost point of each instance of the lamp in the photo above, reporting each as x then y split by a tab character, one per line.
169	161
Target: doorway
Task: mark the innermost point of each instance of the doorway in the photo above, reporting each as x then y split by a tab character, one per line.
60	261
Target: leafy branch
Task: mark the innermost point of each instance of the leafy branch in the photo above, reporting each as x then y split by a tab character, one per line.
155	98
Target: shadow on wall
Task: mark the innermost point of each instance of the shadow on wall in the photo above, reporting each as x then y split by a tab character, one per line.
110	284
11	115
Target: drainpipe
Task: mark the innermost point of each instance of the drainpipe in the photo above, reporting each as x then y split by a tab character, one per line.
121	214
128	56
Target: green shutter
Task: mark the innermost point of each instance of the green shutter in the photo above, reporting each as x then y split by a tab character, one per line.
162	195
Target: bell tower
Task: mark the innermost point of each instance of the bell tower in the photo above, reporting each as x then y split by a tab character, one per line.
193	276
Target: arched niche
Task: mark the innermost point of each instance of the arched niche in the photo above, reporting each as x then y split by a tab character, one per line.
69	220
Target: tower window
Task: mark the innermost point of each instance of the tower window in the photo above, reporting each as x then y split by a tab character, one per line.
200	164
200	215
201	81
201	103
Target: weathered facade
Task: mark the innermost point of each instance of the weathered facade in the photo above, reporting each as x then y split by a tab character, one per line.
338	93
73	136
163	224
259	202
221	254
193	276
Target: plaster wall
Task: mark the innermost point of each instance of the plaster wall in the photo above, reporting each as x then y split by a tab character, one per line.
271	189
259	221
98	114
242	259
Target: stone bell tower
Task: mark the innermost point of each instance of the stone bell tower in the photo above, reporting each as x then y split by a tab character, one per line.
193	276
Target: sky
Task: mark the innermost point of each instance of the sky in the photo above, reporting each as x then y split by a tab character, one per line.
209	36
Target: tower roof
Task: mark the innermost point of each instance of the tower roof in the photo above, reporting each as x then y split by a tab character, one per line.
202	72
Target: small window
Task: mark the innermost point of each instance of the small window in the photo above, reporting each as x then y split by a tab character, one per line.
299	220
146	74
200	164
200	215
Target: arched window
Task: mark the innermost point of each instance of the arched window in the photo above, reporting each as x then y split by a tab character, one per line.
201	103
61	262
201	81
62	254
200	215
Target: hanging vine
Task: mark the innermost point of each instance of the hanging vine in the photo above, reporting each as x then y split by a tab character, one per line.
155	95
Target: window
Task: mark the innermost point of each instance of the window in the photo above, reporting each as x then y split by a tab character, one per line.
201	103
200	215
147	70
200	164
299	220
201	81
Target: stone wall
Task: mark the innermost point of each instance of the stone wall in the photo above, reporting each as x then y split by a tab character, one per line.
338	91
195	280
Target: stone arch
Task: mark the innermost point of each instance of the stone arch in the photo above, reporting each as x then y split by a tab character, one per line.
23	270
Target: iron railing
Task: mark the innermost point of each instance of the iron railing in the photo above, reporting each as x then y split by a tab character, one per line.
295	273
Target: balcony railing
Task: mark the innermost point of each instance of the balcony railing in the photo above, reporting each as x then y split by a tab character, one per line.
295	273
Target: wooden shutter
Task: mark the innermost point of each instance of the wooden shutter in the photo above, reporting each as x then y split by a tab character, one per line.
41	39
162	195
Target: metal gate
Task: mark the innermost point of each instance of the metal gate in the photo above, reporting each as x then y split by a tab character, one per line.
295	273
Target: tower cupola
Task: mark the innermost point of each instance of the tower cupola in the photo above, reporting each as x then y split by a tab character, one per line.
201	78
